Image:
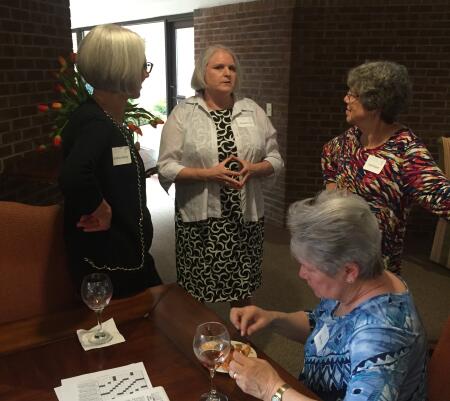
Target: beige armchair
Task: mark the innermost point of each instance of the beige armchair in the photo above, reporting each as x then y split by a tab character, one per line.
33	268
440	251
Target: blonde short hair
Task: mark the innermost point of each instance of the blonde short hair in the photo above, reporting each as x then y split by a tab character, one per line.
111	58
198	77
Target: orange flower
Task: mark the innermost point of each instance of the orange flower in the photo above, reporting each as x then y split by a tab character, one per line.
57	141
135	128
72	90
62	63
156	121
41	148
59	88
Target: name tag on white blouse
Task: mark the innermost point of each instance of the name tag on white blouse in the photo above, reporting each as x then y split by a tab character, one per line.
321	338
121	155
245	121
374	164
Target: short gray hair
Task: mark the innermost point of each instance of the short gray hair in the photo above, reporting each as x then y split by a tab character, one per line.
111	58
383	86
333	229
198	76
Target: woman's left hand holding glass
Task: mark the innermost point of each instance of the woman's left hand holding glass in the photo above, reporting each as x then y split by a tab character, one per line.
254	376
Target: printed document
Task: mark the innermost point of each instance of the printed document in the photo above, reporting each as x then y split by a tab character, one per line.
126	383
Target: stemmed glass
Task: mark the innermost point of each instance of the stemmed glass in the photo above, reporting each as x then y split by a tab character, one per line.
96	291
212	346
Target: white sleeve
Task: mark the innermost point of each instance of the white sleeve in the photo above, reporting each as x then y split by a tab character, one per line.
272	152
171	148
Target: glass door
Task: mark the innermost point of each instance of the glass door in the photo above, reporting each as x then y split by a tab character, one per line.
169	43
181	57
153	94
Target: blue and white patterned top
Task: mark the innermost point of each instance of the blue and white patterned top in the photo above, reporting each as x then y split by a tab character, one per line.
377	352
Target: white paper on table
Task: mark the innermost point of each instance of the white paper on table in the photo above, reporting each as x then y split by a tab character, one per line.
60	393
109	326
126	383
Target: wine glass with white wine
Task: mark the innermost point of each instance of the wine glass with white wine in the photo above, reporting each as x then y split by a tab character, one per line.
96	292
212	346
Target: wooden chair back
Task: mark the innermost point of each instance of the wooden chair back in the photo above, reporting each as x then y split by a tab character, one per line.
440	251
439	367
34	277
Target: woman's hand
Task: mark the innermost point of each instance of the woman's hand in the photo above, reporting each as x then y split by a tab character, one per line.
223	175
250	319
98	220
254	376
249	169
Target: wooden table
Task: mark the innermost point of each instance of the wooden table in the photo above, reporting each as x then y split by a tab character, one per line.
158	326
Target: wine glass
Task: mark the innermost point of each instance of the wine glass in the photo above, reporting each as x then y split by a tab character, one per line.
212	346
96	291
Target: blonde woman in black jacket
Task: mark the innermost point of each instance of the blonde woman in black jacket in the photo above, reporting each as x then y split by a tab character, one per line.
108	227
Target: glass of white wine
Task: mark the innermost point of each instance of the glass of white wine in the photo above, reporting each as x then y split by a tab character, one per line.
96	292
212	346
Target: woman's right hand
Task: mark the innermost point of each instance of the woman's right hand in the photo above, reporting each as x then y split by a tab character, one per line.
98	220
250	319
223	175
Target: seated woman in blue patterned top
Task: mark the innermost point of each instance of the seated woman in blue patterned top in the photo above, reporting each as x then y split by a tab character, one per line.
365	340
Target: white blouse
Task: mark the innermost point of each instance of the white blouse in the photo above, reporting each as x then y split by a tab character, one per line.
189	140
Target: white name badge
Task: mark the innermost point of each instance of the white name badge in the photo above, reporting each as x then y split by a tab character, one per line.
245	121
321	338
374	164
121	155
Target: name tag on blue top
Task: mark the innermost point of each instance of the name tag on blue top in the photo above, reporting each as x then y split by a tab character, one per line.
321	338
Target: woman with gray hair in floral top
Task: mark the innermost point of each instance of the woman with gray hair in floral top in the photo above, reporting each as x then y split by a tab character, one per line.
381	159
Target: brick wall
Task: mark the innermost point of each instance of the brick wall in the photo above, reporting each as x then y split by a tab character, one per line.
33	33
260	33
320	41
333	36
295	55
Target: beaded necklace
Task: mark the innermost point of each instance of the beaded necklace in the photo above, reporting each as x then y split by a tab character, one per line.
127	135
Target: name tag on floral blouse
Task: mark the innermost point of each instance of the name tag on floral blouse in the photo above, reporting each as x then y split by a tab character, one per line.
374	164
121	155
321	338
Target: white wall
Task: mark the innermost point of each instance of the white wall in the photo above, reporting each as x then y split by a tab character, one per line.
94	12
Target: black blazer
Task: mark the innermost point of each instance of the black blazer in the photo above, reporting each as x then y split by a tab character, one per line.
89	174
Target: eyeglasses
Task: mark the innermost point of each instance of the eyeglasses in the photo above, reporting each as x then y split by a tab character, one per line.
352	96
148	67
